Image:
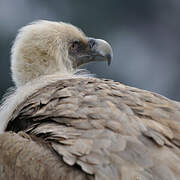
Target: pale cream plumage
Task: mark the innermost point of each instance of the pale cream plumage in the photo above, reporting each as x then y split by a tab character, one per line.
41	48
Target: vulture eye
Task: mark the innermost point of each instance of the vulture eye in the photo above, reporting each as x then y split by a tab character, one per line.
75	46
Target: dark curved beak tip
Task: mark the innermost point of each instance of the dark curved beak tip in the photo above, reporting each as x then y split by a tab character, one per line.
109	58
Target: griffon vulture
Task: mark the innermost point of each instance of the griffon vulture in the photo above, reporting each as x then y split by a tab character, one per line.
59	123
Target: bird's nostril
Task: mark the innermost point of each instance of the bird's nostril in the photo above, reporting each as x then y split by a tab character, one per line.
91	43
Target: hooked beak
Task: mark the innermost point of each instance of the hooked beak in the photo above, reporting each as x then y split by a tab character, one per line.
98	50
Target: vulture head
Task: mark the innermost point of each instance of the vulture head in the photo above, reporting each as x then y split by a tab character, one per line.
46	48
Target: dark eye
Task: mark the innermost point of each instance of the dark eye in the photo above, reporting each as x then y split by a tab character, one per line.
75	46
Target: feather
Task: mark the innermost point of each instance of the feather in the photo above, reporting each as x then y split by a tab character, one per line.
102	137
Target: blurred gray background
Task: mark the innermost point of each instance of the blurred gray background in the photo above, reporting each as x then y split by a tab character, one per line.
144	34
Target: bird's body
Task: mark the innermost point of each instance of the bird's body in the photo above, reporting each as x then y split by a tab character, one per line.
110	130
74	127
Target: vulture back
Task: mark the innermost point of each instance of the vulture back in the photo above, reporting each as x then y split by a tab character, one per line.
99	129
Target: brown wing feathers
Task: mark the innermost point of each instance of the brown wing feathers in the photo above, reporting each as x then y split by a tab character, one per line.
110	130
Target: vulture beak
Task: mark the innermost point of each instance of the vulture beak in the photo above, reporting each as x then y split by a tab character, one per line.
98	50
